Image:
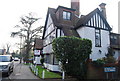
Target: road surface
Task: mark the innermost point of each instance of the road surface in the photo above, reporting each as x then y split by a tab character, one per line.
20	71
4	76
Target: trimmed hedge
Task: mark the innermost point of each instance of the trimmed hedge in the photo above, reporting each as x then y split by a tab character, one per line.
73	53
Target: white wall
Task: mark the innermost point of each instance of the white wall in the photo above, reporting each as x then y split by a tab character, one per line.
58	33
52	67
89	33
50	29
47	49
37	60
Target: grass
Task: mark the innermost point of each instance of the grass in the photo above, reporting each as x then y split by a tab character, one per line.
48	74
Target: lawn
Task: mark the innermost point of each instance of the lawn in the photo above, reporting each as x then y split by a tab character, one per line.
48	74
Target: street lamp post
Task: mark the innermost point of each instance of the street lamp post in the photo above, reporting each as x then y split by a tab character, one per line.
20	48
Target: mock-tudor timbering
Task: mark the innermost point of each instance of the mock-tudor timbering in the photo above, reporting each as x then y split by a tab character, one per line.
65	21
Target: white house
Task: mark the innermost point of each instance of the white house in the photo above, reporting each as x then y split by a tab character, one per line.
65	21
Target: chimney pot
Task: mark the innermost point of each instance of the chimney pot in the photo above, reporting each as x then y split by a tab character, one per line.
75	5
103	9
102	4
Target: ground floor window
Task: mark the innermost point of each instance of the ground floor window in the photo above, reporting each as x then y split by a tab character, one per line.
47	58
56	62
51	59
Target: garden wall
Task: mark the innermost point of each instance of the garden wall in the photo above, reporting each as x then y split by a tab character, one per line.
95	72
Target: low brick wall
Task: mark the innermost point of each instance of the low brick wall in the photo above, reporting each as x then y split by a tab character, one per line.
95	72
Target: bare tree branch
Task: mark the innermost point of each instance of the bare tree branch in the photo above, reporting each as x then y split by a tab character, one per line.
27	31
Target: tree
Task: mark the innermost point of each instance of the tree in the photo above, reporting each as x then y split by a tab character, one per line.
26	30
110	52
110	56
73	53
7	47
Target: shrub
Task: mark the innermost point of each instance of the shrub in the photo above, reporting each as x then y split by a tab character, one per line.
99	62
73	53
110	59
110	56
105	60
42	60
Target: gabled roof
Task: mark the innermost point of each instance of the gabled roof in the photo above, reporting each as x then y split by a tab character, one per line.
84	19
50	11
38	43
67	29
65	8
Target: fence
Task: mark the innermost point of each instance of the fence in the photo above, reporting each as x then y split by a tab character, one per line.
34	69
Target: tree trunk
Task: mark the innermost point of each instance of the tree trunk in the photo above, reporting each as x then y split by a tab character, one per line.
28	44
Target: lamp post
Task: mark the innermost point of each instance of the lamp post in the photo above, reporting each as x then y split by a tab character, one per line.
20	48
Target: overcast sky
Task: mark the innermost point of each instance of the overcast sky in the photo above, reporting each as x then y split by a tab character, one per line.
12	10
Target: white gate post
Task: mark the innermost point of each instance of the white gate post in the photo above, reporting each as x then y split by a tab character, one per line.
43	74
36	71
63	75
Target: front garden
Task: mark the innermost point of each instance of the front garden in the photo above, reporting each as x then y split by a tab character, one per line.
38	71
48	74
73	53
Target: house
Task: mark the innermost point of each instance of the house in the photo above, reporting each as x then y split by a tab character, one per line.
65	21
115	44
38	44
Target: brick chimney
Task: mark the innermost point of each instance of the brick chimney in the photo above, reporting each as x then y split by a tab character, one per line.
103	9
75	5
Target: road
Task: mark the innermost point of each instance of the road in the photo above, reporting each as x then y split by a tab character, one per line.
20	72
16	63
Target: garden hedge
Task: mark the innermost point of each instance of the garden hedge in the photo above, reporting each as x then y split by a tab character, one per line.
73	53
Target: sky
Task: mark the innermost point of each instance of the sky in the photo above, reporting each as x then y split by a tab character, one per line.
12	10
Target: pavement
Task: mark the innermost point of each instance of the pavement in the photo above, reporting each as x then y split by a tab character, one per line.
22	72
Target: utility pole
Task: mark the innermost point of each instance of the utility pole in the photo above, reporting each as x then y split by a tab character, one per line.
20	48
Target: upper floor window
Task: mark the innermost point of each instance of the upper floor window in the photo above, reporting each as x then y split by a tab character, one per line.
97	38
114	39
66	15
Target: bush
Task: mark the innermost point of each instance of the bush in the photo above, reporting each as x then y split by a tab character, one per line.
110	59
99	62
105	60
73	53
42	60
110	56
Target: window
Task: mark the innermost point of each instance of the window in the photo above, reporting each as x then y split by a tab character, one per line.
97	38
114	39
56	62
66	15
47	58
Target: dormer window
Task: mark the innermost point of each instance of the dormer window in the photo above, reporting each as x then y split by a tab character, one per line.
66	15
